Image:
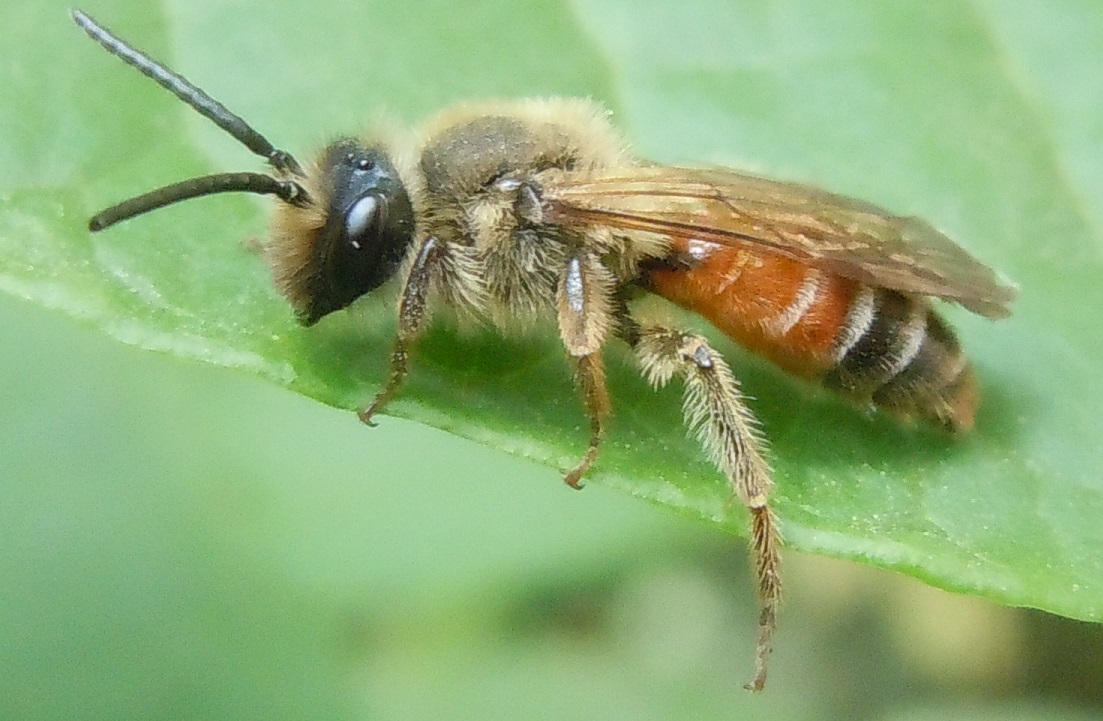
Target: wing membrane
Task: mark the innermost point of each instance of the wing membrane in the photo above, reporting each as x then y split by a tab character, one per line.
848	237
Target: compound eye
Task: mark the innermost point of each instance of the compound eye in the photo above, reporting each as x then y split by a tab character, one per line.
362	215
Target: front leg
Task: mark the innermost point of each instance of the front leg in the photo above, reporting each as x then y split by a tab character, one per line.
411	320
715	412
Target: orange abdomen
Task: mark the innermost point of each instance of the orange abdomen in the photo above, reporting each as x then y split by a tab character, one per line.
871	344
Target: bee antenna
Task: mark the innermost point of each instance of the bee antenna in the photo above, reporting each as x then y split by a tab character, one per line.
176	84
287	190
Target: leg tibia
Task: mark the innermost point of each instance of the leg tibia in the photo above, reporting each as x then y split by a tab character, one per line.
713	407
412	308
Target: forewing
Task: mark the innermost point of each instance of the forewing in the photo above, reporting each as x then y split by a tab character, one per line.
848	237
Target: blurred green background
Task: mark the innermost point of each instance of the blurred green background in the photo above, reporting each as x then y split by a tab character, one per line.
181	541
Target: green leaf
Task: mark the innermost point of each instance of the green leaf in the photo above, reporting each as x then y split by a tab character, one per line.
984	120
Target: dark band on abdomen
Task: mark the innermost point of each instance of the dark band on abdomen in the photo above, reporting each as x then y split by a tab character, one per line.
895	328
933	382
907	360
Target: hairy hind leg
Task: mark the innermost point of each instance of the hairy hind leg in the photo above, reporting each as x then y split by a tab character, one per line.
714	410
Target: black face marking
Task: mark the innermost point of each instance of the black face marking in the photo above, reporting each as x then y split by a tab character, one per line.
369	227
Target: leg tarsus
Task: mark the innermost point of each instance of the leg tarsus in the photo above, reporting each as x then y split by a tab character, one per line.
591	376
574	476
398	372
765	541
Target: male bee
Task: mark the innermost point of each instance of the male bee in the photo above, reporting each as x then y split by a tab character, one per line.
537	208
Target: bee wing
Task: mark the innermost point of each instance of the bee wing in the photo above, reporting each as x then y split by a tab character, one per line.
844	236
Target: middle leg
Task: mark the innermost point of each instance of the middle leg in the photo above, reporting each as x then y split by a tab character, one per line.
591	376
585	320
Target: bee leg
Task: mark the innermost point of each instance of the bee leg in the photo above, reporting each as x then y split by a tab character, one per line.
715	411
591	376
585	319
411	321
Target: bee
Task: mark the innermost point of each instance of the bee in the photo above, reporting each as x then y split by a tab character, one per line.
536	208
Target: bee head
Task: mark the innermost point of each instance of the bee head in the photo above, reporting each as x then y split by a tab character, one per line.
349	239
340	231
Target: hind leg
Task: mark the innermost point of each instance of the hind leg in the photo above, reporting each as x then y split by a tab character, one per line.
714	410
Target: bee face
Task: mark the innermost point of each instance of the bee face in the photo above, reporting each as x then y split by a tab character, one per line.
352	240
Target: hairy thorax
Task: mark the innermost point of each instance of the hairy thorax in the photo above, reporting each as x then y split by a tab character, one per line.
482	169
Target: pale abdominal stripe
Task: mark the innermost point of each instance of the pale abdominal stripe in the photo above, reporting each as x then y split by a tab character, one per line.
804	300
